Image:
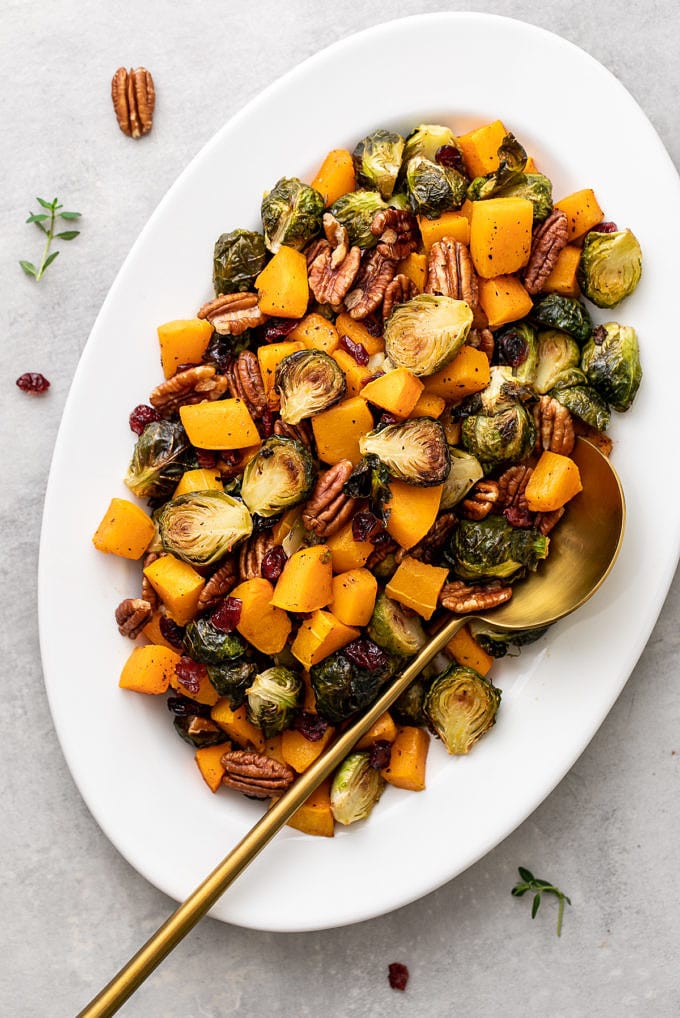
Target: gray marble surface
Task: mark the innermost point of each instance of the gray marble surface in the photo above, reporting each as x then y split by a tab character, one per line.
72	909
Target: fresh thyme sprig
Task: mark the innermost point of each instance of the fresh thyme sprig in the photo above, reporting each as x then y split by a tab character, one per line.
530	883
47	221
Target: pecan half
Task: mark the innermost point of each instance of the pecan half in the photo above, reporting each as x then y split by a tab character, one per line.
374	275
334	267
544	522
480	500
232	314
397	233
554	426
459	598
218	585
512	485
132	615
482	339
148	592
245	383
301	432
134	97
380	553
255	774
398	291
548	240
450	272
429	547
252	552
194	385
328	507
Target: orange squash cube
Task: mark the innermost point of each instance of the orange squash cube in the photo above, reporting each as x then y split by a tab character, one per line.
261	624
384	730
414	267
408	759
416	585
554	481
354	594
125	530
464	649
198	480
178	585
450	225
480	148
347	553
563	278
183	342
282	285
236	725
500	235
206	692
337	430
428	405
335	176
358	333
149	669
503	300
320	635
223	424
412	512
582	211
356	375
305	583
468	372
315	333
396	391
299	752
209	760
314	816
270	356
152	632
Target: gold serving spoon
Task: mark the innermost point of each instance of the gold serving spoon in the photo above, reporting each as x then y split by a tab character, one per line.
582	552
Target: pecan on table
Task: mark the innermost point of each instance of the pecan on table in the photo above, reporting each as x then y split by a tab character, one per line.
194	385
132	615
255	774
245	383
218	585
375	274
252	552
461	598
480	500
134	97
333	266
300	432
450	272
554	426
548	240
328	507
397	233
398	291
232	314
482	339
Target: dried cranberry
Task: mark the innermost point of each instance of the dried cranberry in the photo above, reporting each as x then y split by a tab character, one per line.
185	708
311	726
512	347
267	422
398	975
189	674
518	517
170	631
605	228
372	378
356	350
141	416
273	562
276	328
373	325
33	382
228	615
379	754
451	157
366	526
388	418
206	459
366	654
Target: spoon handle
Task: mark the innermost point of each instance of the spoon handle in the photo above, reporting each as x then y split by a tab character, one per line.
201	900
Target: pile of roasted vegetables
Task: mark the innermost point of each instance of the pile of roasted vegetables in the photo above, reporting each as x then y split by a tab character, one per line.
368	426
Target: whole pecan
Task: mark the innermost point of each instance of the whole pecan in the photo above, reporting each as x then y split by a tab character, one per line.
232	314
512	485
134	97
397	233
328	507
548	240
401	289
375	274
255	774
554	426
480	500
461	598
252	553
132	615
245	383
334	266
218	585
450	272
198	384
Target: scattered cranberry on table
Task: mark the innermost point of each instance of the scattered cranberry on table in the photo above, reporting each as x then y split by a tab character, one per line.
33	382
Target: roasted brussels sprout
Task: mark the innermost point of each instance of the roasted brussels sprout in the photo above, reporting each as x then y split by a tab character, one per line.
272	699
556	352
395	631
512	160
202	526
610	267
611	360
502	438
414	450
460	706
585	402
492	549
465	470
308	382
426	140
279	476
207	644
355	789
238	258
557	312
232	680
407	709
536	188
343	686
292	214
377	159
159	459
517	347
424	333
503	392
498	642
370	479
356	211
432	188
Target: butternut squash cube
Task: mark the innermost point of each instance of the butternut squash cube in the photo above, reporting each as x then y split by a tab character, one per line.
270	356
468	372
223	424
125	530
272	748
503	300
412	512
452	225
408	759
480	148
149	669
555	480
563	278
319	636
209	760
305	583
198	480
466	651
428	405
356	375
335	176
237	726
500	235
582	211
282	529
314	815
396	391
531	166
315	333
299	752
416	585
206	692
337	430
282	285
384	730
263	625
346	552
358	333
183	342
153	633
354	594
414	267
178	585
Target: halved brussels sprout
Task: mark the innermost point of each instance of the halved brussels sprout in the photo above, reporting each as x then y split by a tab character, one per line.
238	258
557	352
424	333
611	360
202	526
232	680
355	789
557	312
342	687
208	645
492	549
395	631
370	479
356	211
407	709
517	347
272	699
377	159
279	476
158	460
432	188
308	382
426	140
585	402
465	470
460	706
511	162
292	214
502	438
536	188
610	267
503	392
415	450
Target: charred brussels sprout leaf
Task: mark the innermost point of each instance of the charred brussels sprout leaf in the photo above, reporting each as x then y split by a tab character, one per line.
202	526
232	680
424	333
414	450
377	159
611	360
512	160
610	267
460	706
492	549
308	382
272	699
557	312
355	789
407	709
343	687
158	460
278	477
517	347
498	642
433	189
395	631
238	258
502	438
585	402
556	353
356	211
207	644
292	214
370	480
536	188
465	470
502	393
